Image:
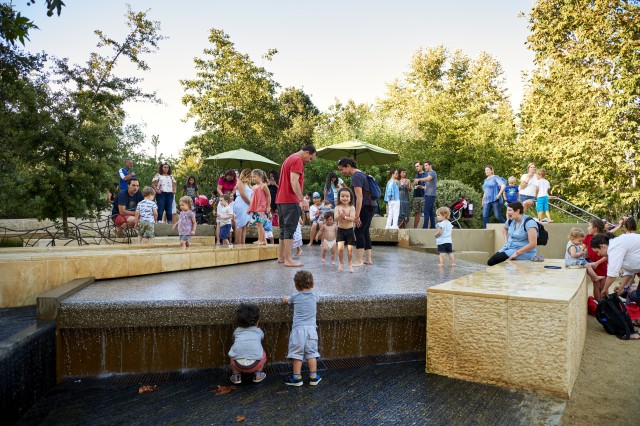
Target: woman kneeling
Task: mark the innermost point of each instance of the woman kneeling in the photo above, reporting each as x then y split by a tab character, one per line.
521	233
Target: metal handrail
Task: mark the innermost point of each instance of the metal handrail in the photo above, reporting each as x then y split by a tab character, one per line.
578	213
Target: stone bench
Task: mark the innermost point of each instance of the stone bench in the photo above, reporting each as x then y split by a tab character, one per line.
515	324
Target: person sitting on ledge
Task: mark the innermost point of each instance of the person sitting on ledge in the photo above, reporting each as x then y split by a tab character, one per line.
521	233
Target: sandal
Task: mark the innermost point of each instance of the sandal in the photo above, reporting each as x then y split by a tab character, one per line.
258	377
236	379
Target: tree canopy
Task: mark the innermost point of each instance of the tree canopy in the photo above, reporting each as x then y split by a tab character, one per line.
581	113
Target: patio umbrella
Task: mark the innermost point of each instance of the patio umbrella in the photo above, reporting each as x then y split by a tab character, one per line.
240	159
362	152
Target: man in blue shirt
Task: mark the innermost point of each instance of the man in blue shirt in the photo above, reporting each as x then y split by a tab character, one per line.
418	193
429	183
126	174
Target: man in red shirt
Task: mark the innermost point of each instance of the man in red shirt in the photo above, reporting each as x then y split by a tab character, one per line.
288	200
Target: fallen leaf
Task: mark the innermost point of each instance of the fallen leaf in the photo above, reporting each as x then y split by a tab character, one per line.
223	390
239	419
145	389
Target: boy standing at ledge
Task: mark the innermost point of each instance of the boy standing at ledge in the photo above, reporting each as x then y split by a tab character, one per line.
303	340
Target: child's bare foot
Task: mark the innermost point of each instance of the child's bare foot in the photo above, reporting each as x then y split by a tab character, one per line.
293	264
299	252
341	267
453	265
350	268
324	259
367	262
441	264
310	243
358	264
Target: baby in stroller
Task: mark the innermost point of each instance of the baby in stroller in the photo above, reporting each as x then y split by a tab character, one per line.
461	208
203	210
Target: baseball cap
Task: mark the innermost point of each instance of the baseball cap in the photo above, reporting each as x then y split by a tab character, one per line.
316	195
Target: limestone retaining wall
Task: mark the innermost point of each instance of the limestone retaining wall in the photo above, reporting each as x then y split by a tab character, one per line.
516	324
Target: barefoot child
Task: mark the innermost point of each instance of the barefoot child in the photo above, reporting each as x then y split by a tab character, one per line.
224	218
345	215
443	235
574	255
329	232
247	355
260	205
543	188
268	229
303	340
186	222
146	216
297	239
316	215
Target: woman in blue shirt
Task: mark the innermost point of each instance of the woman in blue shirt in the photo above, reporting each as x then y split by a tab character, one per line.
392	198
521	233
493	188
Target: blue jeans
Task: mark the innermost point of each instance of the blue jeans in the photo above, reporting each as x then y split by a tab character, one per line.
165	205
429	212
496	212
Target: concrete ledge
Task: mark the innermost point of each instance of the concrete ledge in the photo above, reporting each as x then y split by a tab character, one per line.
516	324
49	302
27	273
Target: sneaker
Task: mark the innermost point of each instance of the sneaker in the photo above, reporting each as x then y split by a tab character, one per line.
236	379
316	380
292	381
545	220
259	376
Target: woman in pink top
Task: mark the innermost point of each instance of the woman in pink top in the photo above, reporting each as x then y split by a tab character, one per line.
260	205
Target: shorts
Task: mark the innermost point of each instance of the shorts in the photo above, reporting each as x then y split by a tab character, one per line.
249	365
145	229
185	237
542	204
289	217
259	217
119	220
418	204
445	248
303	342
225	231
268	234
524	198
346	235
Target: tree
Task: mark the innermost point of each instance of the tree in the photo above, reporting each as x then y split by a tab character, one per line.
231	98
14	26
453	111
581	112
70	158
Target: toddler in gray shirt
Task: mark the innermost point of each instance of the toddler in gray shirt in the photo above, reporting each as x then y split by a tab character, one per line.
303	340
247	355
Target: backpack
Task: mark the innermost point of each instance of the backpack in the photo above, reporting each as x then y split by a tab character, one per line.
612	314
543	235
374	190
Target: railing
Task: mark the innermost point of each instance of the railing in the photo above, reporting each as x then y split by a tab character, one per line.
571	209
96	231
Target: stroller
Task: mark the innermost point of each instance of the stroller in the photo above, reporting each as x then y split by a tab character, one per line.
461	208
204	211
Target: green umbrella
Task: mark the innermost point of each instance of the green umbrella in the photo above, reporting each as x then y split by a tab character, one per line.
240	159
362	152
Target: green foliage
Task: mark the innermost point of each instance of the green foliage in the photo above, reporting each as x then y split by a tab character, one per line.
451	190
581	113
453	111
68	157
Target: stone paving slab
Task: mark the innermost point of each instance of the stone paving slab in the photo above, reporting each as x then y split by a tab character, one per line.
399	393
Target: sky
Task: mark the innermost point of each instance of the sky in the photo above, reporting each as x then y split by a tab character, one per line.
333	49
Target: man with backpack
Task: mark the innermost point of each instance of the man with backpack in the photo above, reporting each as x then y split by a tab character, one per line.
367	192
